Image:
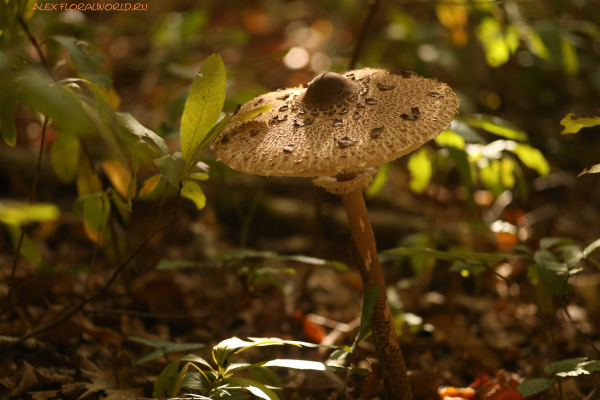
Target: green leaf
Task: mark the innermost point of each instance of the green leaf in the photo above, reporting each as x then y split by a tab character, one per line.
420	169
533	158
132	186
149	356
119	203
255	112
256	388
196	381
569	57
28	249
549	242
96	210
149	185
536	45
491	176
449	138
199	176
583	368
129	122
105	123
573	124
533	386
591	248
203	106
592	170
88	181
192	191
379	180
167	265
450	256
150	342
166	380
512	39
172	169
215	130
369	300
15	213
58	103
88	65
64	156
563	366
491	36
552	274
7	122
264	375
497	126
178	381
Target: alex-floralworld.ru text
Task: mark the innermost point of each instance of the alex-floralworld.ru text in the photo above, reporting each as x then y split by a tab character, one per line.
91	7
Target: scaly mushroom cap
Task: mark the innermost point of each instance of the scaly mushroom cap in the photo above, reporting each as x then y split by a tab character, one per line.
347	123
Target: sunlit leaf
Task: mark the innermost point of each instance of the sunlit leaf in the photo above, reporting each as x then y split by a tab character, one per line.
15	213
591	248
535	43
420	169
491	176
512	39
28	249
595	169
87	64
450	138
563	366
118	176
255	112
129	122
497	126
178	381
533	386
256	388
533	158
96	209
64	156
454	17
491	36
192	191
507	174
199	176
149	185
573	124
203	106
172	169
379	180
570	60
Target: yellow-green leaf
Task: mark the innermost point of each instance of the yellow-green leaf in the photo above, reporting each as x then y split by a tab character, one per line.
149	185
256	112
491	177
532	157
199	176
118	176
573	124
172	168
192	191
508	172
203	105
570	60
64	156
536	45
491	36
88	181
379	180
28	249
15	213
449	138
497	126
420	169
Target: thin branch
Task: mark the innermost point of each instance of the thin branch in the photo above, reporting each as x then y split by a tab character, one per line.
586	337
96	246
373	7
35	43
110	281
144	314
22	237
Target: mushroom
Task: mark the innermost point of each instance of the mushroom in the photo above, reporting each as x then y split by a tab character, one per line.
339	129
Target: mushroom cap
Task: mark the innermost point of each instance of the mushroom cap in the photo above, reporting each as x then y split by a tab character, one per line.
340	124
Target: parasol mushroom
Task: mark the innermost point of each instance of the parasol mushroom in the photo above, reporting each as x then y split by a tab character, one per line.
339	129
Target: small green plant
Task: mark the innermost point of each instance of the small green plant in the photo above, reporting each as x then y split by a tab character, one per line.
556	371
222	381
574	124
162	348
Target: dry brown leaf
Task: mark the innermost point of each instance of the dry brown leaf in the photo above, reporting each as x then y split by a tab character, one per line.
27	378
115	380
44	394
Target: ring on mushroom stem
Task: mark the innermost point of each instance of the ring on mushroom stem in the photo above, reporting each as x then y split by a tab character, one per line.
358	121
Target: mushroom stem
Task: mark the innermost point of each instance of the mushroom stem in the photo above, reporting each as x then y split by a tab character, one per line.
388	348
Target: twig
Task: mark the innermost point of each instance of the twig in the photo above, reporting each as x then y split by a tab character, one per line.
373	7
586	337
33	41
22	237
110	281
144	314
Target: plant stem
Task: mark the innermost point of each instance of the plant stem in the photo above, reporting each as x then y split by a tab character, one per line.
388	348
373	7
